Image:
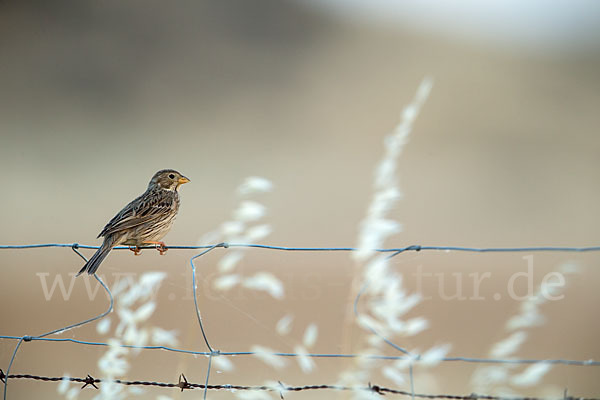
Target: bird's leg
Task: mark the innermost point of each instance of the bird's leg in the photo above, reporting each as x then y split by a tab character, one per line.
160	246
136	250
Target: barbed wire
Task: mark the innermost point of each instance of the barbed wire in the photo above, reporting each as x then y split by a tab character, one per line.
413	358
281	388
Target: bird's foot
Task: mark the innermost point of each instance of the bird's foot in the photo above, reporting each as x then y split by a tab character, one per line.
136	250
160	246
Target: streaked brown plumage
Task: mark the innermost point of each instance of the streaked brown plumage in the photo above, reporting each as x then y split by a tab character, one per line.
146	220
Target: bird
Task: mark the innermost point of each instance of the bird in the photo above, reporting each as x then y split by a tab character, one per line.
145	220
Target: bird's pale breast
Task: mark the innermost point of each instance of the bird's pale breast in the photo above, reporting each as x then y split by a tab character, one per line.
155	229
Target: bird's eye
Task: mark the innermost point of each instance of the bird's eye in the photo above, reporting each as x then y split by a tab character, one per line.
171	176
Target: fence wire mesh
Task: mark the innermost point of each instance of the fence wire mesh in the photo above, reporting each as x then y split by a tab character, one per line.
281	388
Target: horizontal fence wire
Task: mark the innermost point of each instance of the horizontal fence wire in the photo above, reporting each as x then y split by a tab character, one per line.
183	384
309	249
313	355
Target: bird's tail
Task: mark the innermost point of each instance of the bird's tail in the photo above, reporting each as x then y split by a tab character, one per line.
92	265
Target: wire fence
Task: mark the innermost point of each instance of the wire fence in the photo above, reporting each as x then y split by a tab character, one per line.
183	384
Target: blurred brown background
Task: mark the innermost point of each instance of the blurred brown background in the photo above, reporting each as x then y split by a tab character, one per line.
97	96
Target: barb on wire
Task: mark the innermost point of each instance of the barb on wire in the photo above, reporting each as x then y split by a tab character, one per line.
28	338
183	383
89	381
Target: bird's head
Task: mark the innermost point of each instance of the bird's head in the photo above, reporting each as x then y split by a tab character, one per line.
167	179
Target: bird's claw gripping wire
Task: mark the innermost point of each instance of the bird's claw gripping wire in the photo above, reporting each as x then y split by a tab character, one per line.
161	248
136	250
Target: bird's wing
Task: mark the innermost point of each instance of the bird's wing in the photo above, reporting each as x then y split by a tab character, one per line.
148	207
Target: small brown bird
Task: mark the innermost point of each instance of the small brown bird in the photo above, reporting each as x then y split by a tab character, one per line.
146	220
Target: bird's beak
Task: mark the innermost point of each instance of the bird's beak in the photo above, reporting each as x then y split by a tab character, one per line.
183	180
